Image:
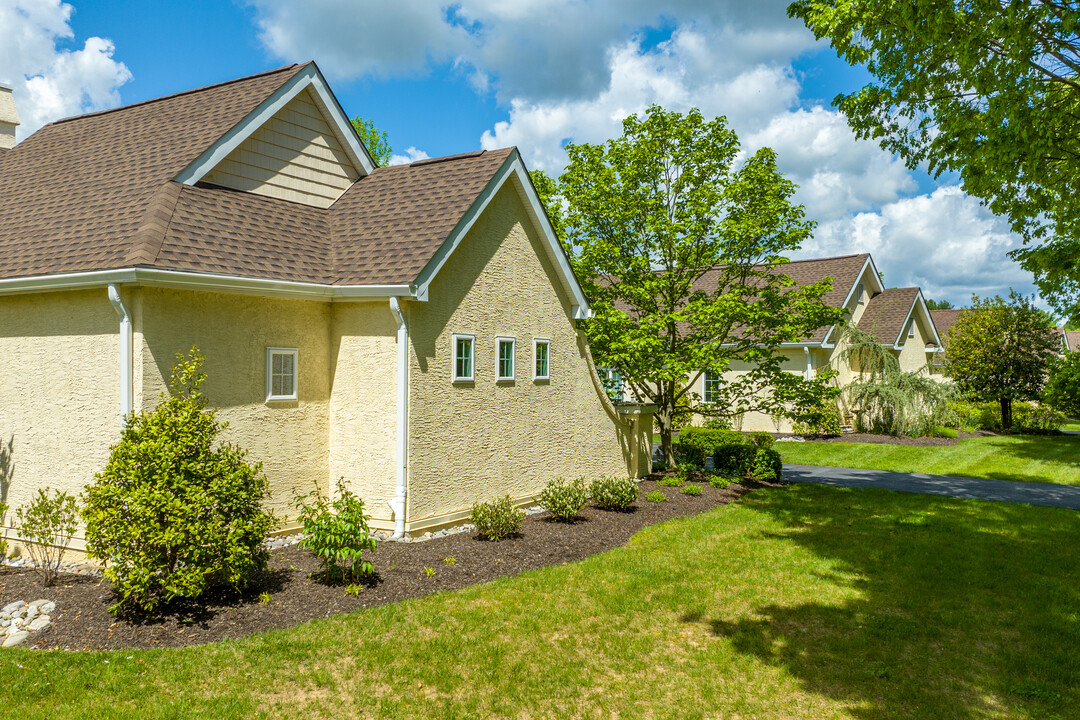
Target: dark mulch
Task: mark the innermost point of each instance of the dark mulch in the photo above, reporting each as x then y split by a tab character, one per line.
892	439
82	619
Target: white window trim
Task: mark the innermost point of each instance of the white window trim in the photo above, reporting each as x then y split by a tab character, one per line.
453	358
270	353
536	343
705	388
513	359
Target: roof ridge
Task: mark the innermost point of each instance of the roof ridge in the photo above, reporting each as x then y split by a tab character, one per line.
830	257
175	95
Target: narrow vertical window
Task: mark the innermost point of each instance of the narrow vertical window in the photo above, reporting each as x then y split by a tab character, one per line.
281	365
613	383
541	359
463	357
506	358
712	387
911	329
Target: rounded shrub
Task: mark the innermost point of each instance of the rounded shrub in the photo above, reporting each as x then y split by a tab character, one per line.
175	512
497	519
564	498
767	465
611	493
760	439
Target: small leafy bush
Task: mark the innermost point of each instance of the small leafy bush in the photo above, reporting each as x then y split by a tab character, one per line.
823	420
497	519
656	496
264	598
734	459
720	482
564	498
429	571
1062	391
767	465
1037	420
692	490
611	493
449	560
336	531
760	439
694	444
354	590
46	525
174	512
671	481
717	423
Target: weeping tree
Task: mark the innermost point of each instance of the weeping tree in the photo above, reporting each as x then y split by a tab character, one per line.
887	399
680	243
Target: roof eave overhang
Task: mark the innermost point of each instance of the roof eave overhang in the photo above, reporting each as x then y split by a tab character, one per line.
209	282
512	170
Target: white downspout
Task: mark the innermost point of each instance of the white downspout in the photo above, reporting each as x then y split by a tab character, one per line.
397	503
126	353
809	365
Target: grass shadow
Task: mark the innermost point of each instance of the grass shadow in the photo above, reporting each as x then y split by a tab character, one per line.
961	605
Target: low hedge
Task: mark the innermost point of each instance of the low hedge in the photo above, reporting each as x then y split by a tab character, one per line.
694	444
734	454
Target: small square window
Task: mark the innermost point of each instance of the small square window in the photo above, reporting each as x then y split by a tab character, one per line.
541	359
505	358
612	380
463	357
712	387
281	366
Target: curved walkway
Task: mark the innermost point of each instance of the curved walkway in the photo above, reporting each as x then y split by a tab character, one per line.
1030	493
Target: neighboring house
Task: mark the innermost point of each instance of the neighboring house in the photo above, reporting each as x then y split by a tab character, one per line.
1070	340
897	317
411	329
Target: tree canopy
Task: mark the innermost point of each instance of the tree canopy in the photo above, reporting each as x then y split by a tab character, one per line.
680	246
1000	351
990	90
377	143
939	305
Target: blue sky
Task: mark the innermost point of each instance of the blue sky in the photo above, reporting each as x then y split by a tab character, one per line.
449	78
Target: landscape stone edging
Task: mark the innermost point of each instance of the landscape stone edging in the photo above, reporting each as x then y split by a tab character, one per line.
19	619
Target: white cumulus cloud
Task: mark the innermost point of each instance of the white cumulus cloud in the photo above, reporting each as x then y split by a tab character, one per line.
49	82
411	155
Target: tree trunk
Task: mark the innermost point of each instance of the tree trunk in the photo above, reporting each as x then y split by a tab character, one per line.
665	415
1006	413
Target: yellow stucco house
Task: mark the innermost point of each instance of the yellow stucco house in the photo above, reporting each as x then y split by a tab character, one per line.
897	317
411	329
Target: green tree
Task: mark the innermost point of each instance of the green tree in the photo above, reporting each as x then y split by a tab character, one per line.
1063	388
939	305
376	142
175	512
1000	351
680	247
990	90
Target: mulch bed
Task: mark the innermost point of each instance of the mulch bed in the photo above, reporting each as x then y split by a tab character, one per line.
890	439
82	620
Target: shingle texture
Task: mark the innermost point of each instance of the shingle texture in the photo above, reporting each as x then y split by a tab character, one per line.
96	192
886	313
1072	340
943	321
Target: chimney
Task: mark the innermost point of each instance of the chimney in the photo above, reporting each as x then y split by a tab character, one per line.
9	117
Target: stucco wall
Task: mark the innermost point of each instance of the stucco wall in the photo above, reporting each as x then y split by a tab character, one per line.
363	404
233	332
474	441
59	391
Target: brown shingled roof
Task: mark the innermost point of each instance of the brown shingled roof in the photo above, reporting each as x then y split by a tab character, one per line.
1072	340
943	321
886	313
96	192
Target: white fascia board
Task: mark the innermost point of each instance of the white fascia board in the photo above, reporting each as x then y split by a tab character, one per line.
512	169
851	291
207	282
308	77
918	303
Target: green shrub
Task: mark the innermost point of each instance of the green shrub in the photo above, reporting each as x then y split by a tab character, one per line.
1037	419
610	493
3	542
760	439
717	423
497	519
671	481
174	512
823	420
719	482
692	490
694	444
1027	417
336	531
564	498
1062	391
945	432
734	460
46	525
656	496
767	465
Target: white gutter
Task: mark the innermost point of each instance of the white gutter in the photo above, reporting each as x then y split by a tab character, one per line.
809	365
397	503
126	352
205	281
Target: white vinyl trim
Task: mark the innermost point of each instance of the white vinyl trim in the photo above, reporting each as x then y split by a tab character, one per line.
546	342
499	377
454	357
513	169
876	279
308	77
293	353
919	302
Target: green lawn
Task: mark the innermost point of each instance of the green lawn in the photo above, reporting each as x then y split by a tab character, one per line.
798	602
1033	458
